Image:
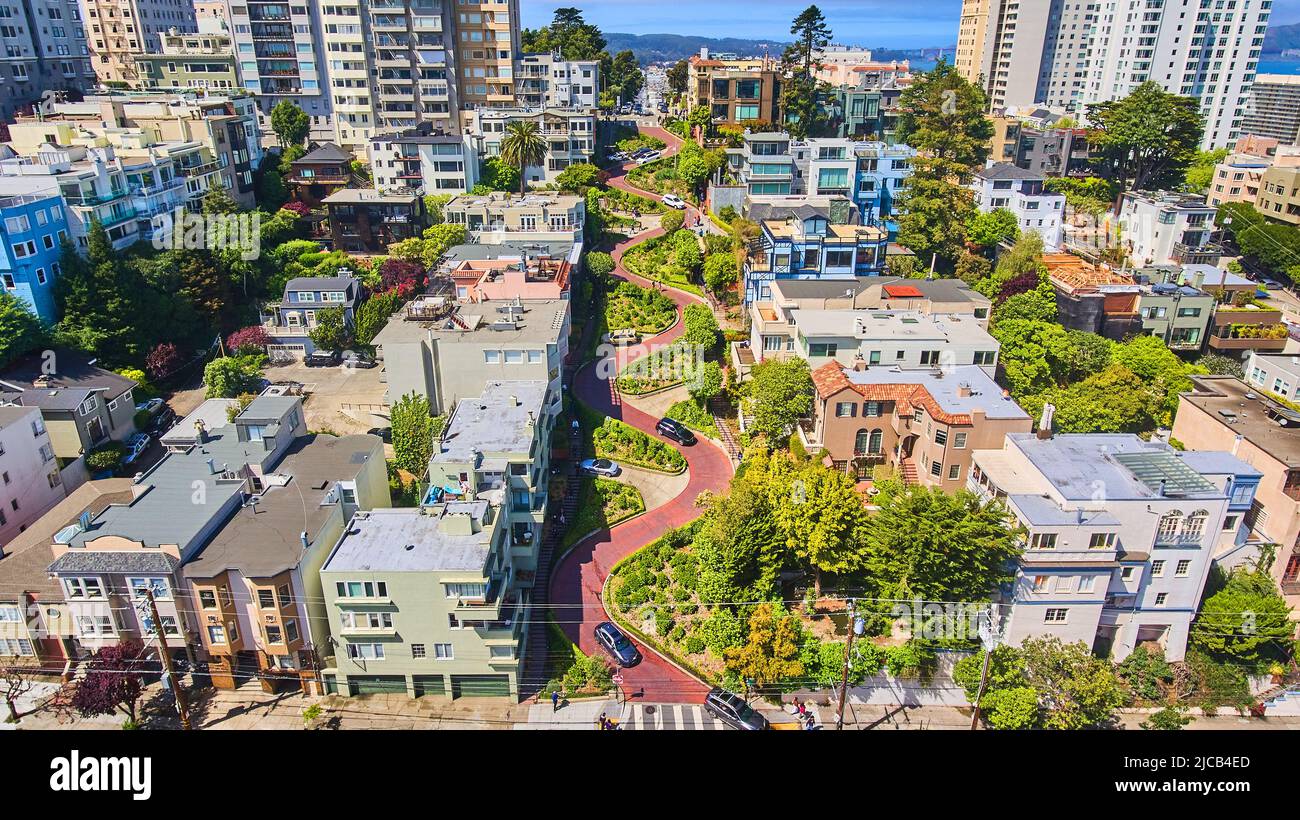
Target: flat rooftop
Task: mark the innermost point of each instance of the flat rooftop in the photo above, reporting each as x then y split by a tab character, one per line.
500	420
541	322
406	540
891	325
499	199
356	196
1244	410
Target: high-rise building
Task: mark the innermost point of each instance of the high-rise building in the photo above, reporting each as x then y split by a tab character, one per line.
487	46
121	30
43	47
279	55
547	80
1069	54
1273	108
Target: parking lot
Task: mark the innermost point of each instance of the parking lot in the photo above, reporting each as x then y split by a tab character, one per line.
337	399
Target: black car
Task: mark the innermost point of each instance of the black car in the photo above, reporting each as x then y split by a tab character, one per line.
732	710
676	431
617	645
385	433
321	358
162	422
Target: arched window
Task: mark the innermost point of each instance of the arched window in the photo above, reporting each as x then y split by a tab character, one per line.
876	442
1194	526
1168	529
860	443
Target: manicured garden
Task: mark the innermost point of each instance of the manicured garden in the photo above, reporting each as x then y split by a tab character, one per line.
695	416
673	258
642	309
663	368
602	503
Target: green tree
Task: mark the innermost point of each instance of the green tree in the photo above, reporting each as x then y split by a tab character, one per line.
433	205
1113	400
671	221
721	272
823	520
1032	305
331	332
569	34
934	211
1272	246
678	76
1168	719
599	264
1219	365
701	327
413	433
1076	689
622	74
578	177
290	123
21	331
1246	622
771	648
925	543
498	175
1034	356
523	145
801	109
230	376
1147	140
782	393
987	230
1200	173
707	383
373	315
971	267
943	118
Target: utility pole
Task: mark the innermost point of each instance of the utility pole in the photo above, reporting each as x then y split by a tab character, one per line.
989	638
181	705
855	628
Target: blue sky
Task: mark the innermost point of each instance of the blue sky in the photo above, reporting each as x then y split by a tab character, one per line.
893	23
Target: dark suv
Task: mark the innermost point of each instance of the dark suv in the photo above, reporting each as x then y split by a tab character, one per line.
676	431
321	358
613	641
732	710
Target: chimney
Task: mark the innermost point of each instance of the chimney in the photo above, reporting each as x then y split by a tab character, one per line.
514	401
1045	421
859	363
302	536
963	390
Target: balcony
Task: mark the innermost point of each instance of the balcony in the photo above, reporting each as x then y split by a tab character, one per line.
1185	254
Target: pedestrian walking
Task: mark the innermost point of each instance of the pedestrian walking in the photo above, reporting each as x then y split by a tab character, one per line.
555	701
603	722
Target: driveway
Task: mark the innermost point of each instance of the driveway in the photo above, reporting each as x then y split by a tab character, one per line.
339	399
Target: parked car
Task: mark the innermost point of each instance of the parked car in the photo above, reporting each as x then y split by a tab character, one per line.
650	157
361	360
600	466
162	422
674	201
135	447
153	406
676	431
385	433
623	336
613	641
732	710
321	358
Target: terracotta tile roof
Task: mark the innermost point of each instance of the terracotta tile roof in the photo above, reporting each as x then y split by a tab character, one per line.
829	379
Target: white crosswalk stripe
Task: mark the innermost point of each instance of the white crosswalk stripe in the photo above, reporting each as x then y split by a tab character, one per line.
670	716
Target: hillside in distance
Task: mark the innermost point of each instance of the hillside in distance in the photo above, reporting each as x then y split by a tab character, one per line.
661	48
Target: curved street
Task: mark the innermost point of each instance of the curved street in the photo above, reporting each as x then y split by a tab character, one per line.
577	580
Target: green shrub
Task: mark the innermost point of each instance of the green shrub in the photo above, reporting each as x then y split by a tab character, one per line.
694	645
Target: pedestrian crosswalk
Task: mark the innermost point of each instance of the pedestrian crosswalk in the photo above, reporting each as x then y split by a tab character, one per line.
671	716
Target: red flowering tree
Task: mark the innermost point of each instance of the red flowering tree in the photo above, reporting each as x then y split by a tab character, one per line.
401	274
300	208
162	361
1023	283
251	339
114	681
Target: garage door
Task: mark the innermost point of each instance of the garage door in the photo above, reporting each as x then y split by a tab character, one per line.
429	685
480	686
377	685
285	352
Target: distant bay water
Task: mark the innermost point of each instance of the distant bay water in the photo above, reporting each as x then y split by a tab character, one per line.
1279	65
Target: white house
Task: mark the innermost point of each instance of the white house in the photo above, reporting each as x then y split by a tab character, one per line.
1021	192
29	473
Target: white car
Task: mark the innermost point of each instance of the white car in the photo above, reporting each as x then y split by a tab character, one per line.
600	466
674	201
650	157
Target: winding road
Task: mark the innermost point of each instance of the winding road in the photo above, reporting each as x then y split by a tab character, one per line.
577	580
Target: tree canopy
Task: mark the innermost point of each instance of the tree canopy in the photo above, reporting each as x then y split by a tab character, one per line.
1147	140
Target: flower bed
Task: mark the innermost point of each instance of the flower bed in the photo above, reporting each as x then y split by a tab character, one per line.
665	367
642	309
602	503
694	416
624	443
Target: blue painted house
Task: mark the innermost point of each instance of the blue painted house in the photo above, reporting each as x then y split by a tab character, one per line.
808	245
32	227
291	319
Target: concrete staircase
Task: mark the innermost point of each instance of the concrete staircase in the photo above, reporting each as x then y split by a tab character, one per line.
908	471
721	412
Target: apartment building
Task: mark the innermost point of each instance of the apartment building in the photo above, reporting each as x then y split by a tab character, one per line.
809	246
924	424
280	55
290	321
92	183
204	59
1021	192
367	221
30	482
1279	193
435	601
121	30
1244	419
763	164
423	161
1165	228
44	49
32	221
865	103
1237	179
1156	301
1119	535
500	217
82	406
255	586
32	634
1273	108
549	81
487	48
735	91
106	562
570	135
1073	54
446	350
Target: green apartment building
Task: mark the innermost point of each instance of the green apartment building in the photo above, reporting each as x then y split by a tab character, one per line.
435	600
189	60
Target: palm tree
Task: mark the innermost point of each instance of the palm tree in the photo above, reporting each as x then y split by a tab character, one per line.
523	145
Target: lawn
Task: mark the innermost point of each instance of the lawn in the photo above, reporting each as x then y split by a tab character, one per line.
657	259
661	177
642	309
664	367
602	503
695	416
